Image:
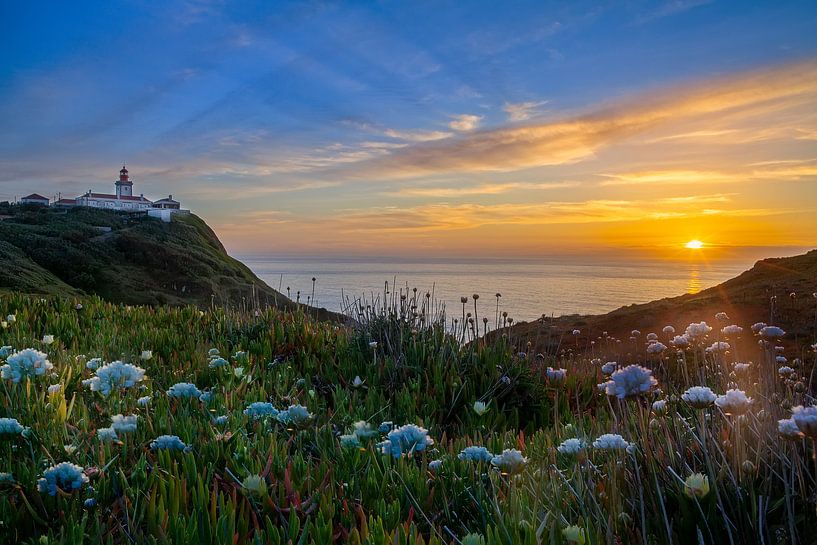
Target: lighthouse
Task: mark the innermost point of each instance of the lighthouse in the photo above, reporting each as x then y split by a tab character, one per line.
124	187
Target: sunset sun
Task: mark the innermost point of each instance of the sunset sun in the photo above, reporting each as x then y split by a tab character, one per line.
694	244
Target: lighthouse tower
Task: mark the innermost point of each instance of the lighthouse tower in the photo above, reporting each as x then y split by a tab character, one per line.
124	187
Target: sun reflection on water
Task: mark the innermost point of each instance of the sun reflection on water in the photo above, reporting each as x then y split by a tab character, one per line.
694	281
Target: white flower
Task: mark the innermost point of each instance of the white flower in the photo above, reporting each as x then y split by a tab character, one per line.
718	347
213	353
373	344
5	351
656	348
732	330
694	331
146	355
659	406
652	337
297	415
785	371
609	368
406	440
435	465
10	426
207	396
11	318
220	420
577	332
48	339
742	367
571	446
610	441
143	401
363	430
93	364
635	333
699	397
107	434
772	332
758	326
26	363
668	330
788	429
238	372
721	317
65	476
480	408
680	341
260	409
184	390
358	382
123	423
734	402
217	362
696	486
475	454
630	381
168	442
54	389
510	461
114	376
350	441
806	419
556	375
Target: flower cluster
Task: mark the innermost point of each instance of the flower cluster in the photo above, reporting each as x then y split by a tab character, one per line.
114	376
25	363
407	440
734	402
610	441
10	426
695	331
124	424
168	442
806	419
510	461
475	454
260	409
64	476
184	390
630	381
571	446
295	415
699	397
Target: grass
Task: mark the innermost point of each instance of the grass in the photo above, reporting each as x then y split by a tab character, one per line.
271	481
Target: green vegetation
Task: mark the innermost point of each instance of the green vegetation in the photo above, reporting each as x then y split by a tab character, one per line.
125	259
694	472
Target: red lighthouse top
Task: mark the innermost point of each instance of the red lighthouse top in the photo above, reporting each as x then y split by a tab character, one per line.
123	175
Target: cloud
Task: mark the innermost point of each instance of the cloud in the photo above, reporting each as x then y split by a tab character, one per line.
756	95
417	136
522	111
464	122
481	189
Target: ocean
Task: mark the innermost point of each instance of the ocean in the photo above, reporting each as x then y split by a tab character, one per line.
529	288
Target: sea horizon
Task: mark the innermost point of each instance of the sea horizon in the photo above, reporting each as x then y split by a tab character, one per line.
529	287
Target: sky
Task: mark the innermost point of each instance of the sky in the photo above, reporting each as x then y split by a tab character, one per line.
428	129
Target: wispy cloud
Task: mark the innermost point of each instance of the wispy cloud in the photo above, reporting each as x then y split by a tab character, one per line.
417	136
750	95
480	189
464	122
522	111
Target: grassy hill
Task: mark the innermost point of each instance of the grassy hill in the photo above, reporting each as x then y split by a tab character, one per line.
125	259
763	293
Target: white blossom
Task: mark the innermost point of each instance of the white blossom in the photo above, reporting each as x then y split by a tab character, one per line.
699	397
510	461
25	363
571	446
65	476
114	376
610	441
734	402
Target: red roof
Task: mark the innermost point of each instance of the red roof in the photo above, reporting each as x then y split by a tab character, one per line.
35	196
113	197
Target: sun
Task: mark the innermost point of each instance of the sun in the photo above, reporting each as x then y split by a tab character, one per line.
694	245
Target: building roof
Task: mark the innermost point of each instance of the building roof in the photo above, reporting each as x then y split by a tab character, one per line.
35	196
166	200
114	197
66	201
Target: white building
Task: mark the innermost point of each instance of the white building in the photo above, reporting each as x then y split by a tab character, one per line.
122	200
34	198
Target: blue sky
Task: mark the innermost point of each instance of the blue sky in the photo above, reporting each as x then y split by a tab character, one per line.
370	127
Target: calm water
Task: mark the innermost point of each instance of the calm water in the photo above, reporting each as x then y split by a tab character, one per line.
529	288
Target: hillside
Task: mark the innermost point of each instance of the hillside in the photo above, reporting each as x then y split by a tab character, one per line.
763	293
125	259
